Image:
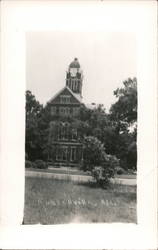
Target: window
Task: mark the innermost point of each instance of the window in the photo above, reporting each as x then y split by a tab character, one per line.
63	131
75	111
61	110
53	110
73	154
62	153
64	110
66	131
67	110
74	134
58	154
65	99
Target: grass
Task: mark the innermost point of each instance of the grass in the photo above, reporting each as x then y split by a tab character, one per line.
50	201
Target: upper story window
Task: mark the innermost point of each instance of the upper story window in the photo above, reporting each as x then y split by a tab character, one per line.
53	110
65	99
64	111
74	134
63	131
75	111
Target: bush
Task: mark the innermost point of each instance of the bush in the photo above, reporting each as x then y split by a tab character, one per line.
40	164
93	153
28	164
101	165
102	174
120	171
34	165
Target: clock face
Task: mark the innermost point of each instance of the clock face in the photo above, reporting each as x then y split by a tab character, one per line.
73	71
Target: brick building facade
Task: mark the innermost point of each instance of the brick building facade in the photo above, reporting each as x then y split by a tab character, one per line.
64	139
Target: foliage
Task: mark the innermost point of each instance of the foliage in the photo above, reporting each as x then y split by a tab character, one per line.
119	170
32	105
28	164
93	153
103	173
123	115
100	176
124	110
40	164
95	119
37	128
33	137
132	155
113	133
116	135
101	165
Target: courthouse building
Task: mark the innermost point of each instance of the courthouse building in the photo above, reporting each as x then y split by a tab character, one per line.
65	143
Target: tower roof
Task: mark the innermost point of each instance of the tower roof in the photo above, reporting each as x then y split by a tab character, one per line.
74	64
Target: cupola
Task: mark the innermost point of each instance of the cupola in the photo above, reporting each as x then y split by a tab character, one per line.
74	77
74	64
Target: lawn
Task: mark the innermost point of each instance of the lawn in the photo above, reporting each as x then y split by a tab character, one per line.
50	201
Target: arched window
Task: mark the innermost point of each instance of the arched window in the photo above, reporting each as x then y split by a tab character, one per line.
63	131
73	154
62	153
66	136
60	131
74	133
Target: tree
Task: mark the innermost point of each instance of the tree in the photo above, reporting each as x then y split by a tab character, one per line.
33	107
32	138
123	114
101	165
93	153
113	133
132	155
124	111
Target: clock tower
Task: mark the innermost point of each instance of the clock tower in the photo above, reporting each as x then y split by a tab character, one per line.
65	138
74	78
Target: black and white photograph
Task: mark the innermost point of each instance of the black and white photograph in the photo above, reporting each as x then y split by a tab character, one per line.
78	124
81	127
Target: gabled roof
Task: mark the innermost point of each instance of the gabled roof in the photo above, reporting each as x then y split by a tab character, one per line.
76	96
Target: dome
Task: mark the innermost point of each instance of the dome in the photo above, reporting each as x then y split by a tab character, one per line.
74	64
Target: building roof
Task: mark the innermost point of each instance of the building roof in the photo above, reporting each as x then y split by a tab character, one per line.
74	64
77	96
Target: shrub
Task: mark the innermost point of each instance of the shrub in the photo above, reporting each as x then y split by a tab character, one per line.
40	164
103	173
120	171
101	165
93	153
28	164
34	165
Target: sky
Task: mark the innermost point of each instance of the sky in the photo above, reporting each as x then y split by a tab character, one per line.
106	59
